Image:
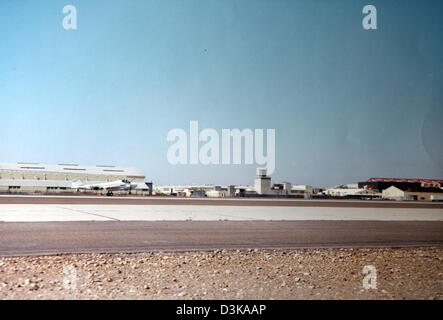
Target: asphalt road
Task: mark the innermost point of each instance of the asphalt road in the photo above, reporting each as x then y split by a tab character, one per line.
84	200
37	238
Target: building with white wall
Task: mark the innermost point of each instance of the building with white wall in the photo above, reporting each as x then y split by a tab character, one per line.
263	186
419	194
27	177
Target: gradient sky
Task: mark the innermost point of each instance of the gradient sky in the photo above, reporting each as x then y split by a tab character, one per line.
347	104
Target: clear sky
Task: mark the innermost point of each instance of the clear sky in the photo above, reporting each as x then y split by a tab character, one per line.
346	103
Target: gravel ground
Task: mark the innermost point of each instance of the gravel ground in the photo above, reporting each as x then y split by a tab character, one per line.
402	273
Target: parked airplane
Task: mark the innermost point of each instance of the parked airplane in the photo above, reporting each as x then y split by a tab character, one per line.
107	187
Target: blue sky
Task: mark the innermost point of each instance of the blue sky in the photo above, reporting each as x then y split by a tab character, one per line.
346	103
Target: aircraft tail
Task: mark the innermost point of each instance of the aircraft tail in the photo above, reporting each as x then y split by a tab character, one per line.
76	183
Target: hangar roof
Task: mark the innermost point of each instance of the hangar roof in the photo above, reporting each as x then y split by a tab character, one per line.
405	180
71	168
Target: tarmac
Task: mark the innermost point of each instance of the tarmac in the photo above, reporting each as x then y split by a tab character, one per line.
90	208
41	238
38	225
125	212
274	202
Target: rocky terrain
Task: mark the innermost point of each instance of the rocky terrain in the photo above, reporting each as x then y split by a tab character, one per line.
401	273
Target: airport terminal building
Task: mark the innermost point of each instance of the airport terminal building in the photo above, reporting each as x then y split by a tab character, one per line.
24	177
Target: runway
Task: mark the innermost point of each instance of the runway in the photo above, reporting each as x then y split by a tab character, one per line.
101	200
180	212
39	238
34	225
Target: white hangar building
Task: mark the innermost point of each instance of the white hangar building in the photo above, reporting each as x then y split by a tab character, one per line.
25	177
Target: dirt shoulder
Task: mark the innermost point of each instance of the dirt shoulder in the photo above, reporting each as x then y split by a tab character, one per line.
401	273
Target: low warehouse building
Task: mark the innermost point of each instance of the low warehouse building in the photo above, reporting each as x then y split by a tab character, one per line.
24	177
418	193
381	184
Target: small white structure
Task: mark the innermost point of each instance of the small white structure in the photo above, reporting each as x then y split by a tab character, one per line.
437	197
304	190
393	193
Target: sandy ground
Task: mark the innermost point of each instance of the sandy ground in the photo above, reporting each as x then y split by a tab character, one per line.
401	273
